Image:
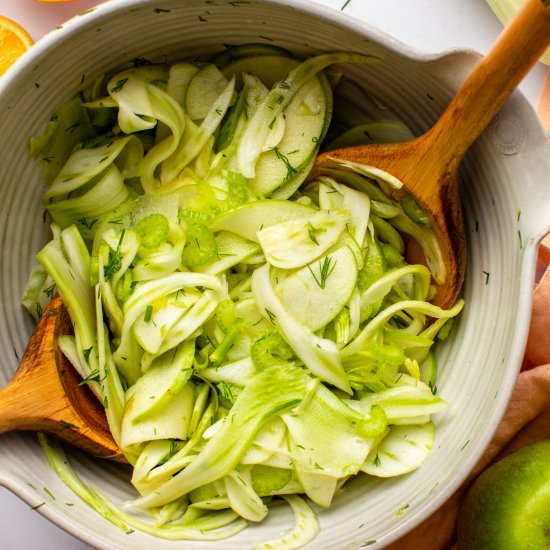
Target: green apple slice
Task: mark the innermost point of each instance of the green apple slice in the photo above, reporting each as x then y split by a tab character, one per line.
315	301
250	218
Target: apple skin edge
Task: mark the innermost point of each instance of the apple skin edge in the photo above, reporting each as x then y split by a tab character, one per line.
508	506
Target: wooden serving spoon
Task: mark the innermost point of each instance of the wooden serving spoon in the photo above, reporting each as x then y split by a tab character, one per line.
45	394
428	165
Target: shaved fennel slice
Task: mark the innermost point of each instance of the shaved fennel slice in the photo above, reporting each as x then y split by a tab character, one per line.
144	295
409	399
338	445
87	163
380	288
424	308
269	392
295	243
242	497
220	526
305	530
370	171
403	449
190	149
320	355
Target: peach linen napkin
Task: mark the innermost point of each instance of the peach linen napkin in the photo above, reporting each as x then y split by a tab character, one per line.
527	418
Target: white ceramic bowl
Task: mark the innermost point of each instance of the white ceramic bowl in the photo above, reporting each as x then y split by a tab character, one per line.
506	196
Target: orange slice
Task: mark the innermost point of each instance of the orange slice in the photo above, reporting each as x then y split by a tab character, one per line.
14	41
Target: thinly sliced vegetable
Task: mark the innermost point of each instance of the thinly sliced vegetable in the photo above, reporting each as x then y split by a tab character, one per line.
179	77
269	68
234	52
85	210
414	305
312	442
86	163
316	293
283	158
250	218
277	99
58	461
164	380
231	249
409	398
69	126
242	496
402	450
371	132
295	243
269	438
268	393
305	530
319	355
203	90
171	421
180	158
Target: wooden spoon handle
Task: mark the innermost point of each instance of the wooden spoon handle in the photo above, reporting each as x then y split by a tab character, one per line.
495	77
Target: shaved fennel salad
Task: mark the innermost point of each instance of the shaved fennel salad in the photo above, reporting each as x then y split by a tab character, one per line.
252	329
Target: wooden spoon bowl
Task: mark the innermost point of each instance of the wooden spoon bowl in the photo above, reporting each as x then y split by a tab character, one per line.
46	394
428	166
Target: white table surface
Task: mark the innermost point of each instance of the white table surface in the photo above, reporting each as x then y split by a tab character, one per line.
431	25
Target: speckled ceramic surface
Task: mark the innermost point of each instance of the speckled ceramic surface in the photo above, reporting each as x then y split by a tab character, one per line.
506	193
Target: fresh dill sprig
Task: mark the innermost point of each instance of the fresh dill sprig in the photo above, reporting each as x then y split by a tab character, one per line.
115	261
119	84
314	231
92	377
88	224
171	452
73	127
86	352
225	391
271	315
326	267
69	424
284	84
290	170
49	291
140	61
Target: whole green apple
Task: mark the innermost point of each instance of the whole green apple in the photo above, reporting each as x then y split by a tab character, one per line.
508	506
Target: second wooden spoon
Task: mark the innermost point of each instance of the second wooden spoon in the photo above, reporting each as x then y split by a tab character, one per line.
45	395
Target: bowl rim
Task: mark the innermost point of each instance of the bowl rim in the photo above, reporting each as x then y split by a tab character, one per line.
112	7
